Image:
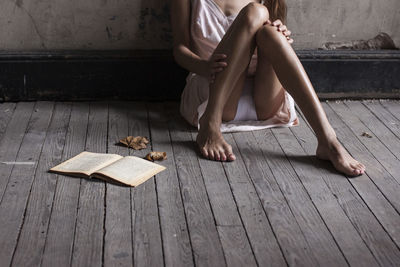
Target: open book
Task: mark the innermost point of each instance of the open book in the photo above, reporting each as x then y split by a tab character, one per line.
128	170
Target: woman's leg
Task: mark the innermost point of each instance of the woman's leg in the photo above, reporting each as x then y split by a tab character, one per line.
238	44
273	47
268	93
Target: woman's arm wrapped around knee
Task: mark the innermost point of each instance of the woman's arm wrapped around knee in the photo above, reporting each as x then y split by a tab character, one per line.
183	55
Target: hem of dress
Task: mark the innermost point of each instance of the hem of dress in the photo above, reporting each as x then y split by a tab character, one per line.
254	125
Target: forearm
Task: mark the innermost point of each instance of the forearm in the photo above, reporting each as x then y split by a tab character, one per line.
189	60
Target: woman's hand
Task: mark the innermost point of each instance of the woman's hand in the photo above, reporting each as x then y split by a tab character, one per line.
215	64
282	28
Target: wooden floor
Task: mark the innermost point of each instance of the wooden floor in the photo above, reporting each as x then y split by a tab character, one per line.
276	205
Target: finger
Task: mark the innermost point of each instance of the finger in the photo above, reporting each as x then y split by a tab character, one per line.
277	22
290	41
282	28
219	64
217	57
287	33
267	22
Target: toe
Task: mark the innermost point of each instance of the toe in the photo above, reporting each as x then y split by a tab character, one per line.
362	170
353	167
361	167
211	154
217	156
229	153
204	152
231	157
223	155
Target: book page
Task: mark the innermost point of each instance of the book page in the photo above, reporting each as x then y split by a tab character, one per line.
86	163
130	170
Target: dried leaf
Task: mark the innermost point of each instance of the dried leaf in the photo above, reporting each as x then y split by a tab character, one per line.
155	155
135	142
366	135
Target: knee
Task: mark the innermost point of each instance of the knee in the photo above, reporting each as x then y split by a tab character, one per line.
254	15
268	35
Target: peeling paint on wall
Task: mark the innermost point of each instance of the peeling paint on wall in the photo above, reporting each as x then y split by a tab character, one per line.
153	20
145	24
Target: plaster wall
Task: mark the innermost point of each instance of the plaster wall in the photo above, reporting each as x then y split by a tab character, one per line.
144	24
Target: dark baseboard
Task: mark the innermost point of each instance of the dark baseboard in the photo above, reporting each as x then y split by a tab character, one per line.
153	75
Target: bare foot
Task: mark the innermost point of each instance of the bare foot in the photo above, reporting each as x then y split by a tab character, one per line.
211	143
340	158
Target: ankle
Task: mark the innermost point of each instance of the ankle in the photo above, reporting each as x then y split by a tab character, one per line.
328	138
210	121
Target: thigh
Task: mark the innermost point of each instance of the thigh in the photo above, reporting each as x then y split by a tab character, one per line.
268	92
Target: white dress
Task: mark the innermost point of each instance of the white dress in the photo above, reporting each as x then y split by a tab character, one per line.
208	26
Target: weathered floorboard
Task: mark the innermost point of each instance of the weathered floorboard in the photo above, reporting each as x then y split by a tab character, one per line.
295	248
60	235
374	145
37	215
207	248
384	125
89	229
381	164
236	246
393	107
175	236
258	229
11	141
306	214
369	188
341	228
218	191
6	113
118	246
276	205
145	218
226	214
16	194
348	194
